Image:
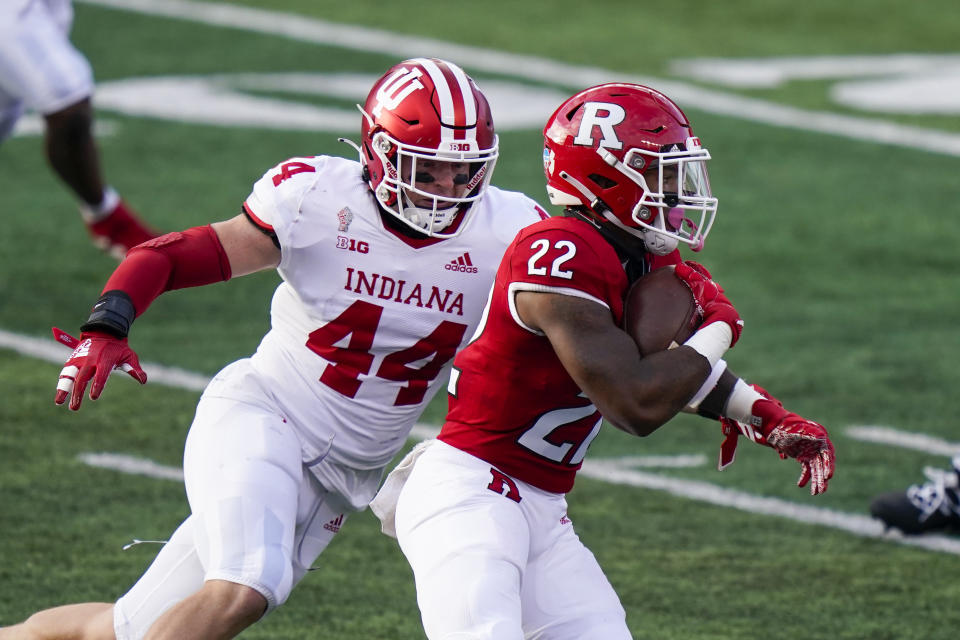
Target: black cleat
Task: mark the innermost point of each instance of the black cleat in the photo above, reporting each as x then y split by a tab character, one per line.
933	506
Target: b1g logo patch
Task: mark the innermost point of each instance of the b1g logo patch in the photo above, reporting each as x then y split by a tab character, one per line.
352	245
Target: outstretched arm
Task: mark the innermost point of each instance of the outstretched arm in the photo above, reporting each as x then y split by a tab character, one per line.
195	257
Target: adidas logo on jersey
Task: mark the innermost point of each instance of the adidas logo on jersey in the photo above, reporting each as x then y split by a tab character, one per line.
334	525
462	264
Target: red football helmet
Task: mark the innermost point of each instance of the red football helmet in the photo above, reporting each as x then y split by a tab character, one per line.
426	110
628	155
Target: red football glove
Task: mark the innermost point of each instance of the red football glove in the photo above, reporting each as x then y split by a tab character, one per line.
712	304
790	435
95	356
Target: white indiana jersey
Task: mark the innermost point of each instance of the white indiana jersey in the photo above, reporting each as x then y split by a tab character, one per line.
366	320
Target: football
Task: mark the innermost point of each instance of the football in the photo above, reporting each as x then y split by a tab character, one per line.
659	311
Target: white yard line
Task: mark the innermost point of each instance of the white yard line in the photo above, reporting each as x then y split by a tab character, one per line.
55	352
904	440
322	32
614	470
859	525
617	471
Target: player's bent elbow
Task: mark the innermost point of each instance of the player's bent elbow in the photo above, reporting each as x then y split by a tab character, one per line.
638	423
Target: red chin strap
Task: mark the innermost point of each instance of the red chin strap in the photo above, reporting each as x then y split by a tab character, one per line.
176	260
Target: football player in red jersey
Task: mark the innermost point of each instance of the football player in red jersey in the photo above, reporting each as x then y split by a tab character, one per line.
480	513
42	70
287	443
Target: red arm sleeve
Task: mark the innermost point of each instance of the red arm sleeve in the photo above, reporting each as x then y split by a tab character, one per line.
176	260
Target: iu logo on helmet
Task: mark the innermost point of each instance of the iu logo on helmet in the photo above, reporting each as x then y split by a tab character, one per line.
396	88
604	115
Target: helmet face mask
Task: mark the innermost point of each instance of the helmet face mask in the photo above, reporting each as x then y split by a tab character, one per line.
626	154
421	113
401	190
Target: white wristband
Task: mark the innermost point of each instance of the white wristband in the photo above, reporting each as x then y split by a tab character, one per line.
740	403
712	341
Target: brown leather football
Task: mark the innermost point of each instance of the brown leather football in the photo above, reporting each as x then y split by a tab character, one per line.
659	311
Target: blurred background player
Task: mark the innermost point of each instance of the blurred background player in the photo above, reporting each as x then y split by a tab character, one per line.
481	513
931	506
372	307
41	70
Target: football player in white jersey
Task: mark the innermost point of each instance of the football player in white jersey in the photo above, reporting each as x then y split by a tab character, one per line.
481	513
386	266
41	70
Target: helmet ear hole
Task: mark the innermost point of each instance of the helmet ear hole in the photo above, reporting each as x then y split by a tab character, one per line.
602	181
573	112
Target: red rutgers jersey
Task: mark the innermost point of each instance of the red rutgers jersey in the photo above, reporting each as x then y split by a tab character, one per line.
511	401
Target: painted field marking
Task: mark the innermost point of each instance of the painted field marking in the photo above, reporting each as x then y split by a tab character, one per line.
617	471
614	470
55	352
321	32
904	440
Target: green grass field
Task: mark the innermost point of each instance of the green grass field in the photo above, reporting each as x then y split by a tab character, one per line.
838	250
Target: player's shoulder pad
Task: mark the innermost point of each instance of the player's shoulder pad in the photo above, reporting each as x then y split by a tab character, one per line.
512	210
579	231
277	194
569	242
291	175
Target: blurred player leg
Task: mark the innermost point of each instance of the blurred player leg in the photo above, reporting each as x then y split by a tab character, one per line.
72	153
10	111
931	506
40	66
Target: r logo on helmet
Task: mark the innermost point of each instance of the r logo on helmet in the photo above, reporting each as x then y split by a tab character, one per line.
613	114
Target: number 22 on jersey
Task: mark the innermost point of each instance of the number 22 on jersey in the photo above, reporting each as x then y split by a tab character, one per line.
360	321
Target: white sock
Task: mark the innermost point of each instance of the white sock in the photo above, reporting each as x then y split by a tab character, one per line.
96	213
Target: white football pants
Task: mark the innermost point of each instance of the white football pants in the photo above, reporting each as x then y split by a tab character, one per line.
259	517
489	567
